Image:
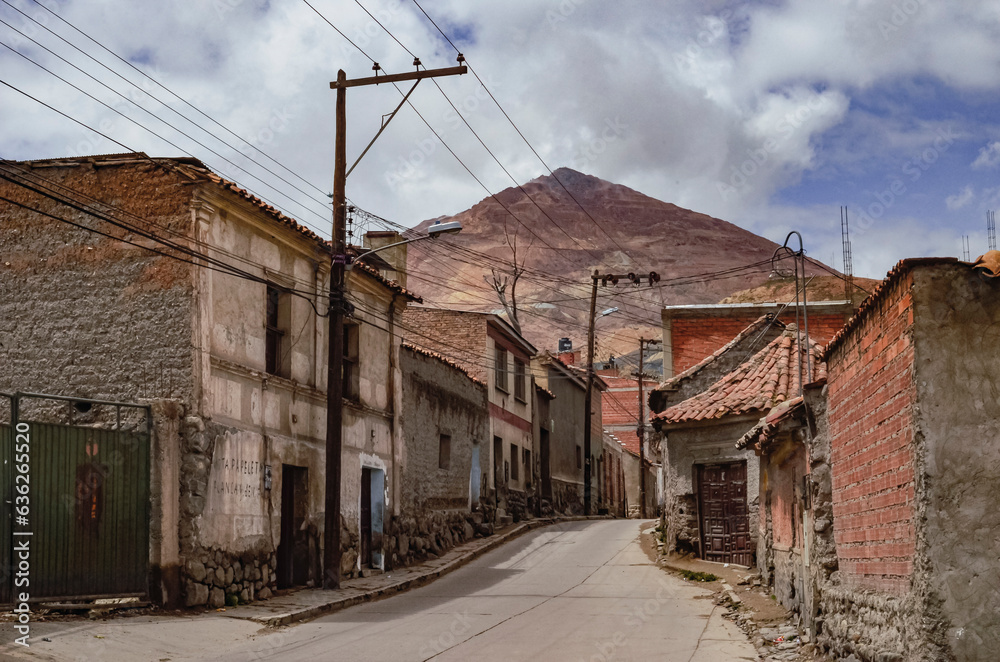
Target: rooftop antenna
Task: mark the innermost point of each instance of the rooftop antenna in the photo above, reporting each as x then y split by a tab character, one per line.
991	229
845	233
965	248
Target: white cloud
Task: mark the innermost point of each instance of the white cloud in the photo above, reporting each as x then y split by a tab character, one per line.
989	157
705	95
960	199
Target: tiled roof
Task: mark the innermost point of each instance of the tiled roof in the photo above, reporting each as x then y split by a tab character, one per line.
894	276
757	326
442	359
764	380
761	433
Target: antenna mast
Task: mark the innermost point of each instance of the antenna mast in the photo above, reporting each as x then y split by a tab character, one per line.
848	259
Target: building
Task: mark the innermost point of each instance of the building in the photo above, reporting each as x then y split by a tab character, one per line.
620	406
155	281
711	500
561	442
491	351
445	423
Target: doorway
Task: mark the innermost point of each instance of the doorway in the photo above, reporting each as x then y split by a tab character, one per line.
724	518
475	486
546	468
372	516
293	547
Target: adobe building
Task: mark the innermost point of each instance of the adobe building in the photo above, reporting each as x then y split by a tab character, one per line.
157	283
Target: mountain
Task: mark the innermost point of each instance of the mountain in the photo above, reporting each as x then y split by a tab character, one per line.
699	259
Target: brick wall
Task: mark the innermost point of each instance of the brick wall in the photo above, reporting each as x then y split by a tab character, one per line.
460	337
871	396
694	338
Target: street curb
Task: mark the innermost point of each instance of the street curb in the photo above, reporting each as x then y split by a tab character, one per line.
413	582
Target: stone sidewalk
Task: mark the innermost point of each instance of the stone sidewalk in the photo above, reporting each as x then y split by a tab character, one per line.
308	603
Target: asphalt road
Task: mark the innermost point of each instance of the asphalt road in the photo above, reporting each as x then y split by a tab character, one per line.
572	591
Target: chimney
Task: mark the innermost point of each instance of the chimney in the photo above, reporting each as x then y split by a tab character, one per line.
394	267
566	353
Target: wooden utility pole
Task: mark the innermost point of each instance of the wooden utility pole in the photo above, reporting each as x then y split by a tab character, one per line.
641	428
339	306
590	390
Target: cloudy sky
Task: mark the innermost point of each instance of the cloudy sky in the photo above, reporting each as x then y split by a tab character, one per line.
770	115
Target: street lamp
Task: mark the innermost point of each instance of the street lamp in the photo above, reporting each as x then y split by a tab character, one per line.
433	232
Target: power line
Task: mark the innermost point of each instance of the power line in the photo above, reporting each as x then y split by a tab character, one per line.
139	124
152	96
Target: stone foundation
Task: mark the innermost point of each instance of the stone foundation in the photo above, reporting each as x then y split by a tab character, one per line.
417	538
213	576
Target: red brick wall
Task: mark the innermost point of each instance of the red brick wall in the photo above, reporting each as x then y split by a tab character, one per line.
695	338
871	396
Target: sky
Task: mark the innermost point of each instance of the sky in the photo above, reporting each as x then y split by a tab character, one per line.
770	115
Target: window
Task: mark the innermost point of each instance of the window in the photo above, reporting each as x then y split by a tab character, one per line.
500	368
579	457
352	381
444	451
519	379
277	359
514	462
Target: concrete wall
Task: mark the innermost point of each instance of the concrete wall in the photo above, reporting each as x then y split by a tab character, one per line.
630	475
435	502
956	333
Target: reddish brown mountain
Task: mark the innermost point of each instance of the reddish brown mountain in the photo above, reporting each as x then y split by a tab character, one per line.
561	245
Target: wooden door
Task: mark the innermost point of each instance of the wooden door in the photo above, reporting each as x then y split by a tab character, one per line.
725	523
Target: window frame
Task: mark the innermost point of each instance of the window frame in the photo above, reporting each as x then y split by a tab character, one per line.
351	373
520	380
500	368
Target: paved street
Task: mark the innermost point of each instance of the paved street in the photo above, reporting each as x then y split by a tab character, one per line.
572	591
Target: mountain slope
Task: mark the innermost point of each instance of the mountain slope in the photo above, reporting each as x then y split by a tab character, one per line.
561	246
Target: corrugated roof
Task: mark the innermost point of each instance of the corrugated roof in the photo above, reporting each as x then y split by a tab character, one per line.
764	380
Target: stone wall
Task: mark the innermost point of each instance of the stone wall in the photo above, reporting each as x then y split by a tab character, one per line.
436	508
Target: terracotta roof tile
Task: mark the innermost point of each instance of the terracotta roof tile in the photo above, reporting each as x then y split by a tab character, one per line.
766	379
761	433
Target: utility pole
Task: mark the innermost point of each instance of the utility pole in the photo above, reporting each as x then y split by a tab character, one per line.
635	279
590	390
641	427
339	306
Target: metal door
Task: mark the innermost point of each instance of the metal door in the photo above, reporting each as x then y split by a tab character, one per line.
722	502
89	498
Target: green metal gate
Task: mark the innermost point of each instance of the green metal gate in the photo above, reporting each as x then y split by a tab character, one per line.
88	497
